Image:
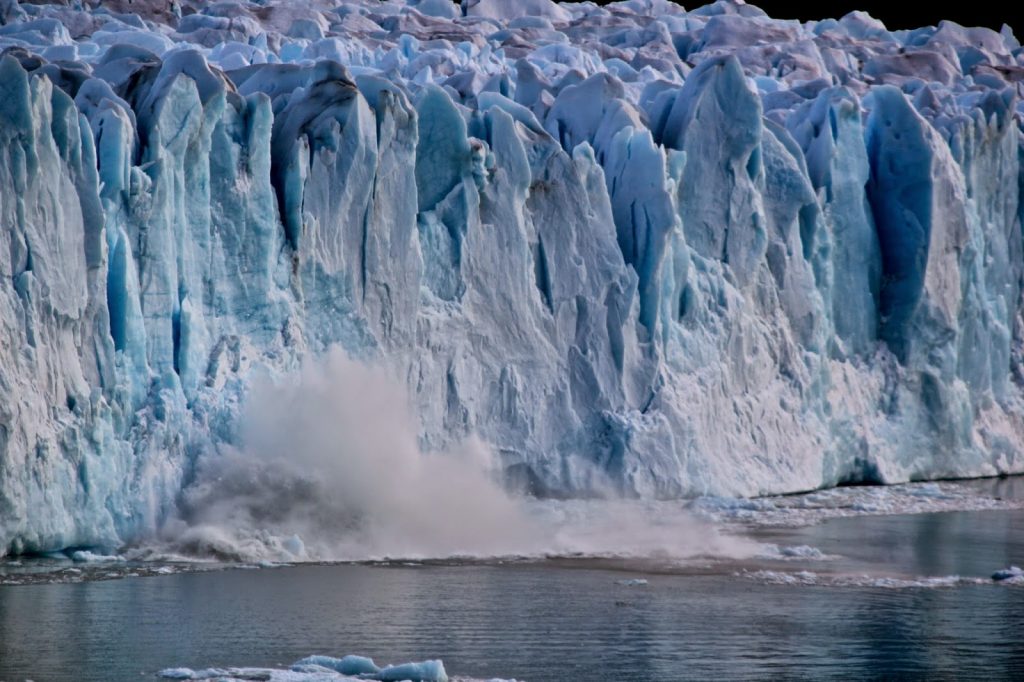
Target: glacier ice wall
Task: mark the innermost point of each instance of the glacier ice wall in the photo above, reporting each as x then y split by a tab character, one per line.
638	250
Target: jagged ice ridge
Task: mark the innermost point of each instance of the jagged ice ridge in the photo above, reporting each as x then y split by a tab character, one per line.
634	248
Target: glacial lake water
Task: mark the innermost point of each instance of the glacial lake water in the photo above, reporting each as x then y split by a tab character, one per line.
884	606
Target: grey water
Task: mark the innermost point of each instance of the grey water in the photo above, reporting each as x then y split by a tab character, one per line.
560	620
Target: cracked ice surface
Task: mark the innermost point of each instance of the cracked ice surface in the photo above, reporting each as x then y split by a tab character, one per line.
633	248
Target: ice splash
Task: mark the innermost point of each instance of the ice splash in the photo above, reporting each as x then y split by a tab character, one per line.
330	469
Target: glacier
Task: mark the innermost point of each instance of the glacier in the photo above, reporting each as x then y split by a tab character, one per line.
639	251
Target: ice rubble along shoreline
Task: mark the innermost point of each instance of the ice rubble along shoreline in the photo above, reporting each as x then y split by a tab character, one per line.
632	247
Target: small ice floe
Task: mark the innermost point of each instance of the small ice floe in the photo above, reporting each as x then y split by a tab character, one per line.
805	552
632	582
349	665
801	552
810	578
783	578
427	671
321	668
84	555
1013	574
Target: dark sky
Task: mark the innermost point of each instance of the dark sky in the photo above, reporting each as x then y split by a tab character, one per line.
899	14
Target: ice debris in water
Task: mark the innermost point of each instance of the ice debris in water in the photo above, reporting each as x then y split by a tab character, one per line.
349	665
811	578
638	249
632	582
801	552
86	555
801	510
428	671
313	668
1013	573
805	552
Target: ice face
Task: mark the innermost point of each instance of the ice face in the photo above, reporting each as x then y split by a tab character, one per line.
635	249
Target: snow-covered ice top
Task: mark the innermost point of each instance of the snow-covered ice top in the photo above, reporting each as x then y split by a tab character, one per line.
635	249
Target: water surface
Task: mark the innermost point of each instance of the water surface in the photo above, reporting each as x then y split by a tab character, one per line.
565	619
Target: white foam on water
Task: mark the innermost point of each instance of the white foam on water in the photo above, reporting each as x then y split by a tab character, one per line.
815	579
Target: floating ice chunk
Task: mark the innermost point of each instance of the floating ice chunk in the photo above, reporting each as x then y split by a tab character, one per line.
349	665
320	669
227	674
631	582
1014	573
801	552
237	674
804	552
85	555
809	578
427	671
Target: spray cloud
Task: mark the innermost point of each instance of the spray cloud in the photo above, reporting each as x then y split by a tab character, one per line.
329	468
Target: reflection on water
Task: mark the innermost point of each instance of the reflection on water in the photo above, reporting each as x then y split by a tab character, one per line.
1007	488
968	544
564	621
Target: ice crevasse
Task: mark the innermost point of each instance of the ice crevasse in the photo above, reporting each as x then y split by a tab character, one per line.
634	248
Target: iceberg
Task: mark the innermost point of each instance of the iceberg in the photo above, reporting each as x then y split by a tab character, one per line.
349	665
636	250
325	668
